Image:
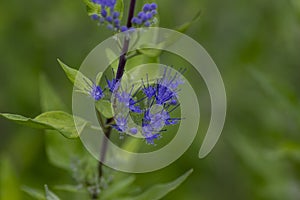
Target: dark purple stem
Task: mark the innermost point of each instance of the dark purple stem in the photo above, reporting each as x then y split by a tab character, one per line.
122	60
120	72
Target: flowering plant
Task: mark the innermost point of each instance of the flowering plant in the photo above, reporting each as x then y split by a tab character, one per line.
146	108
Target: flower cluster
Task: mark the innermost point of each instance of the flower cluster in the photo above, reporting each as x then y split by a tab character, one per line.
146	17
154	104
107	15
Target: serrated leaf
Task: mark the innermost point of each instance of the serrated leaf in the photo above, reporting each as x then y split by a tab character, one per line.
34	193
50	195
119	7
159	191
53	120
105	108
77	78
184	27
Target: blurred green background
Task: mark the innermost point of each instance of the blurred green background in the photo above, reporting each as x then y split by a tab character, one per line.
256	46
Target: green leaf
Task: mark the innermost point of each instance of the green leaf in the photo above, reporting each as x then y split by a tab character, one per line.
98	77
34	193
9	183
112	57
70	188
184	27
25	121
116	189
150	50
60	151
53	120
50	195
159	191
105	108
91	7
140	60
119	7
77	78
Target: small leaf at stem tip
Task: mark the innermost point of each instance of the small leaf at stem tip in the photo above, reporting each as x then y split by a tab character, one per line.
119	7
76	77
91	7
184	27
105	108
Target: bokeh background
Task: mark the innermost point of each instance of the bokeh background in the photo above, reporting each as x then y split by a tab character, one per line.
256	46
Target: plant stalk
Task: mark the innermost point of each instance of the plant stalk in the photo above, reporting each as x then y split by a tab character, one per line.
120	72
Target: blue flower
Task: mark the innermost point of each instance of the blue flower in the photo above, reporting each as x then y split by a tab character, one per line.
170	81
111	84
167	87
105	3
163	94
133	107
133	130
149	91
109	19
104	13
121	124
124	97
123	28
136	21
146	7
127	99
153	6
96	92
149	138
149	134
95	17
116	15
107	15
172	121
